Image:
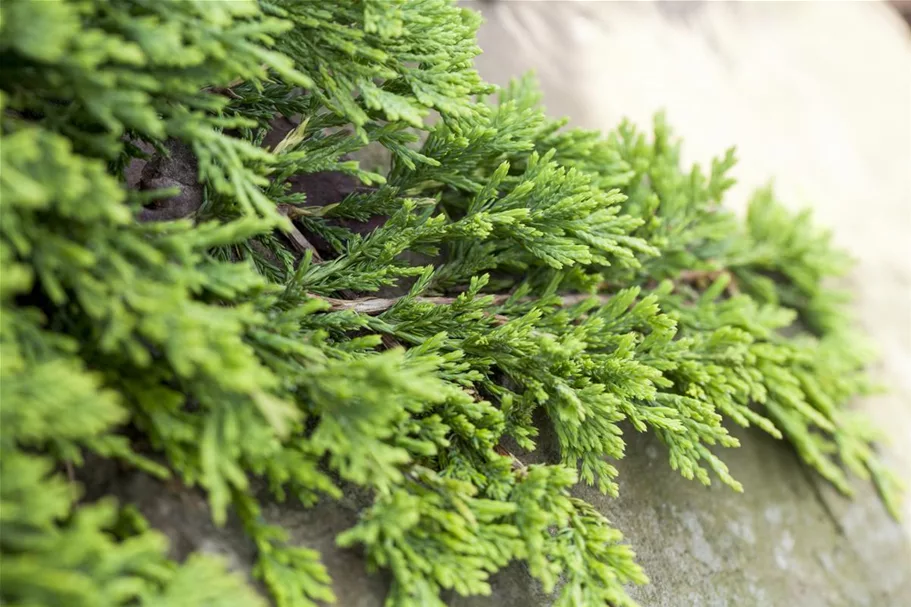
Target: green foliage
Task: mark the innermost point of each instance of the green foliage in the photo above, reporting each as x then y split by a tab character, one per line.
531	272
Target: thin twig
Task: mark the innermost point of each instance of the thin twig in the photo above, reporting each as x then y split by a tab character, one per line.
693	275
518	466
700	275
294	212
298	240
71	477
377	305
373	306
390	342
228	90
702	278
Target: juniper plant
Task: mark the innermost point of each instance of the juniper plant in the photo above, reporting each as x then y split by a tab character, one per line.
199	282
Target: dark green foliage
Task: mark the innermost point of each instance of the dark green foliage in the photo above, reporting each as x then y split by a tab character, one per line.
527	269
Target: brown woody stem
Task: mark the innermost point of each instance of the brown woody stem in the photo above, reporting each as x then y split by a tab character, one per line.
377	305
373	306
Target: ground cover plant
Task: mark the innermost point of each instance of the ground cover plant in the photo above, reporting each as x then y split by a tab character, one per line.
201	281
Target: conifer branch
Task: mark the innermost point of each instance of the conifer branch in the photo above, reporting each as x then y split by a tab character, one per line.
150	324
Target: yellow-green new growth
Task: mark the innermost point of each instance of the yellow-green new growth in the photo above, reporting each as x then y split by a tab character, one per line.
530	273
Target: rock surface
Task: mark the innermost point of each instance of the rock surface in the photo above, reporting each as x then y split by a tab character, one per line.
783	541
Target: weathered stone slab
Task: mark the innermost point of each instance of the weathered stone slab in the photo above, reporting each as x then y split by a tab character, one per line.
783	541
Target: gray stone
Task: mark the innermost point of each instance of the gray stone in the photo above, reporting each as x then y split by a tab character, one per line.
784	540
787	539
